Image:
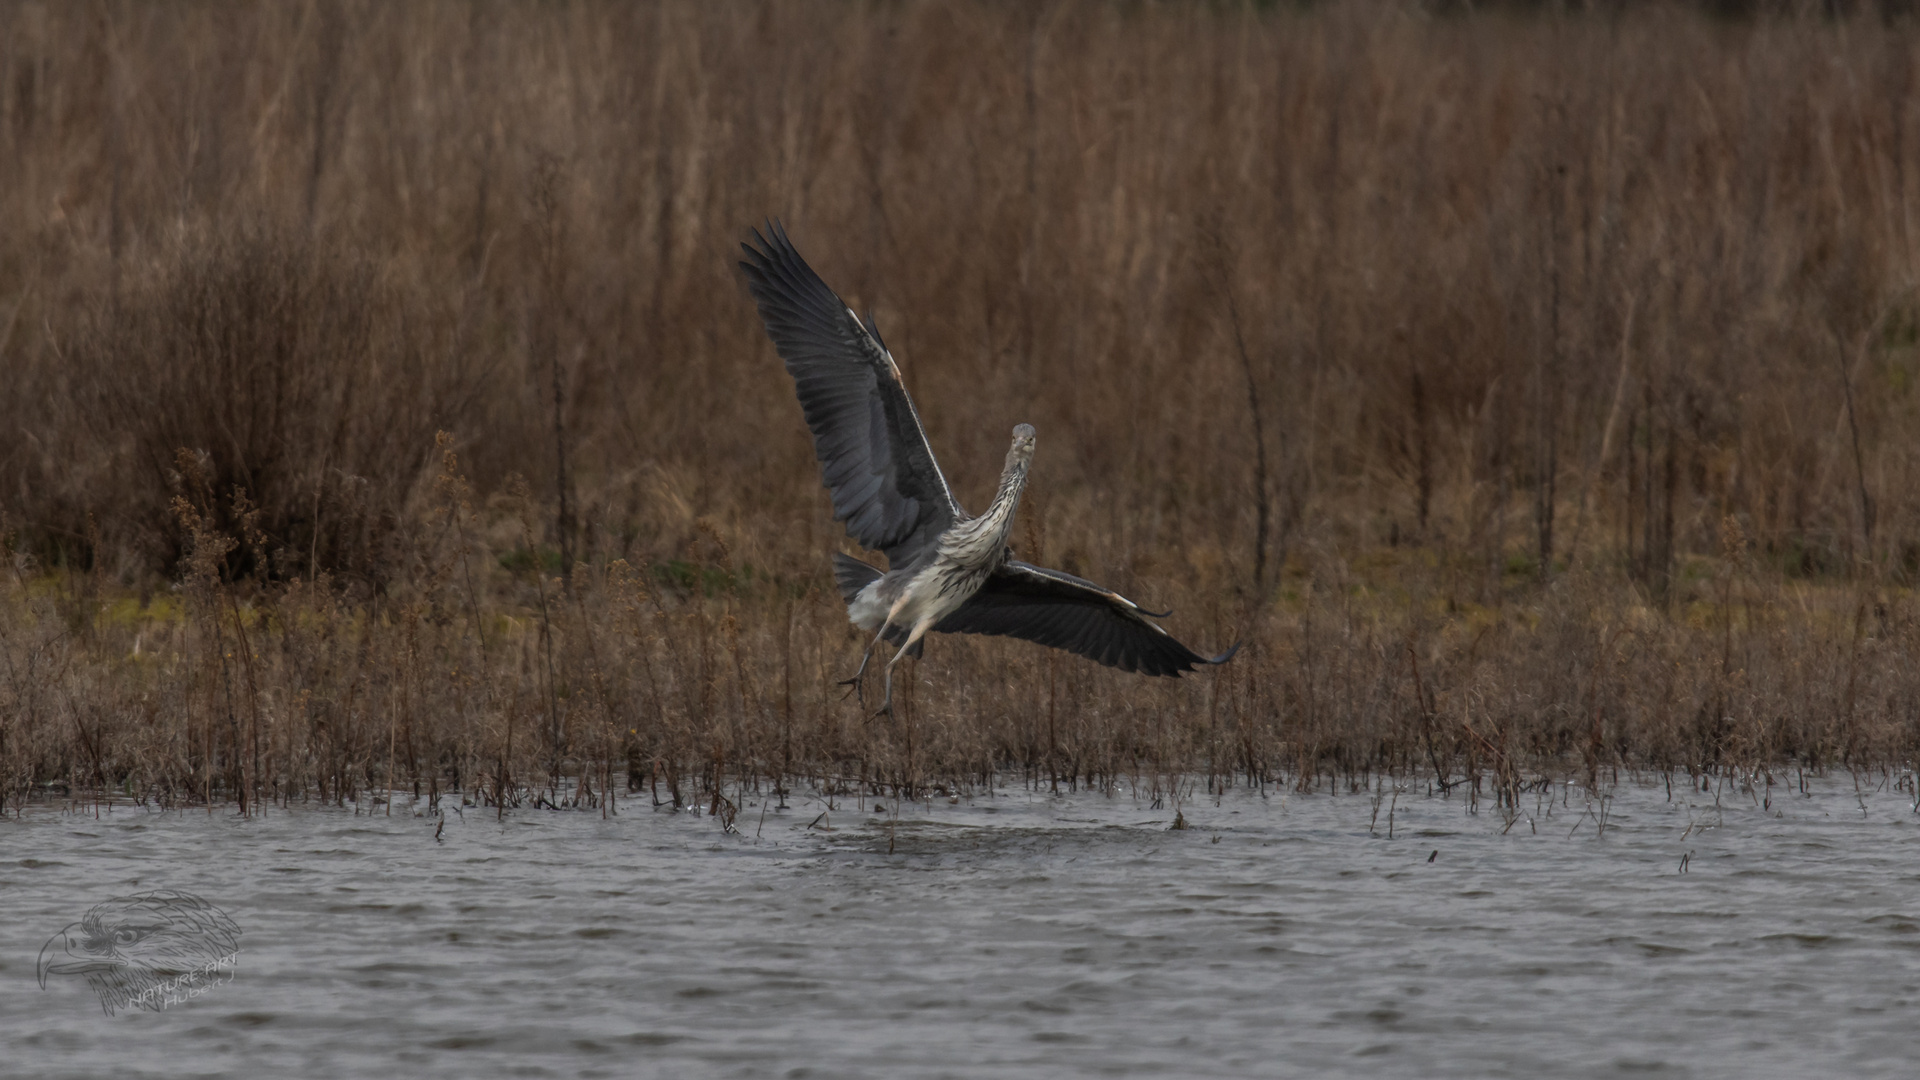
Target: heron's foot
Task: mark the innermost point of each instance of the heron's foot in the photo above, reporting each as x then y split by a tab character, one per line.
854	686
886	709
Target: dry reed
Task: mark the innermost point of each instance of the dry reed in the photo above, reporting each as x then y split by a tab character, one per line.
1534	392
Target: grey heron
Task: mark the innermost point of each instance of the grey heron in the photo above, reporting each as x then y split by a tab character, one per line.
948	572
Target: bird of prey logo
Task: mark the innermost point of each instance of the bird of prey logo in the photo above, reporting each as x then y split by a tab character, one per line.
147	951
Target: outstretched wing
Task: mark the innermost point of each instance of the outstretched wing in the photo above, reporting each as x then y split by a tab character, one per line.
873	454
1046	606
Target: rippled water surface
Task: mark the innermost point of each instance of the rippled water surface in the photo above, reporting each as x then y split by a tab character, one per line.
1010	935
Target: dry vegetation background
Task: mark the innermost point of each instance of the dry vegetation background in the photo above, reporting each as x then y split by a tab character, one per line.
1536	394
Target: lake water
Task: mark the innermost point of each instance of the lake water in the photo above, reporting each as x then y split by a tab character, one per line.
1012	935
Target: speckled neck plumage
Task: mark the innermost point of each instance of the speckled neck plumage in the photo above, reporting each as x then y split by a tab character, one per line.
982	540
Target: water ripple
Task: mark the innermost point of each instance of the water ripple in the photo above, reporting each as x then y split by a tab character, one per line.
1009	935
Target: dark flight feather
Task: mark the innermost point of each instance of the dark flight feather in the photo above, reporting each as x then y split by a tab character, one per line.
873	453
1056	609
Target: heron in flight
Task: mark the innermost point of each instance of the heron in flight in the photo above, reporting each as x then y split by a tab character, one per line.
948	572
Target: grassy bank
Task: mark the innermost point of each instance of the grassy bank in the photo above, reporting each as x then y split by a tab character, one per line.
1534	393
487	675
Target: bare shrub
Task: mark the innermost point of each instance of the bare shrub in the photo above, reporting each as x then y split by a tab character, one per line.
251	372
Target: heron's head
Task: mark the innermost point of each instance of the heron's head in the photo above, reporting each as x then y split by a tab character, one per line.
1022	450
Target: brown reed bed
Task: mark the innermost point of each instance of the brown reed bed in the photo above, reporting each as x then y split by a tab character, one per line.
1535	393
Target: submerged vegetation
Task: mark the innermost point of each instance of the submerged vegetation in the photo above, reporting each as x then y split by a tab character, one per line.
1535	394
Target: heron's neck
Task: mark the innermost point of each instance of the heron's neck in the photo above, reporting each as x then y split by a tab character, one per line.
999	517
988	532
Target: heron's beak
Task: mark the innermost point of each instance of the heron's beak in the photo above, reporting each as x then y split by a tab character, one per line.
61	961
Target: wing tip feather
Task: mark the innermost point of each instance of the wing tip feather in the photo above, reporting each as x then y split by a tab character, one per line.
1193	661
1228	655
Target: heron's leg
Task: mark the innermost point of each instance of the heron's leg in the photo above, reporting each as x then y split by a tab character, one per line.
864	657
893	619
919	630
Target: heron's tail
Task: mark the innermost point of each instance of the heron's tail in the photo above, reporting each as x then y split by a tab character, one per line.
852	575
